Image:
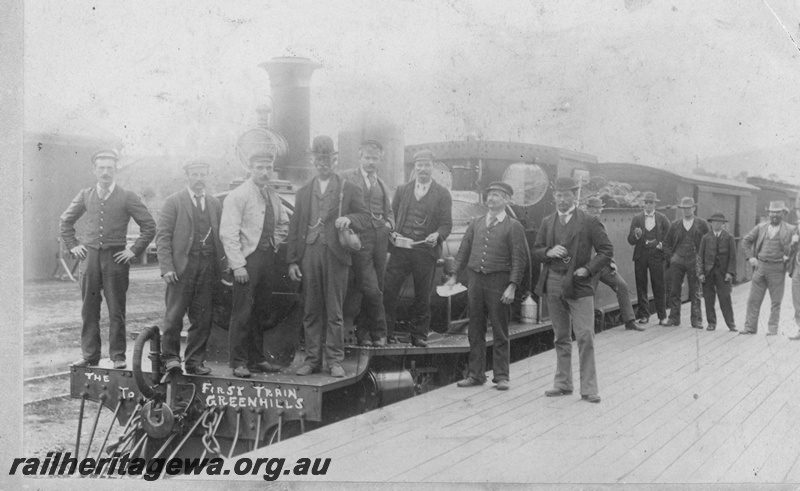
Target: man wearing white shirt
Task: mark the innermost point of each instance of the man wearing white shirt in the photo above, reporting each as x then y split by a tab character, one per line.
647	233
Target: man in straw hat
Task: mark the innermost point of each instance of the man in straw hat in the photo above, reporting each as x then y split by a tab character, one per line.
254	223
767	248
717	270
609	276
564	245
493	251
315	255
681	247
105	257
647	234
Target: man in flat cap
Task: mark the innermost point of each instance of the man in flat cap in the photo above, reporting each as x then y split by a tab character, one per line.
610	277
190	256
717	267
493	251
369	264
564	246
105	257
324	205
423	211
681	247
647	234
254	223
767	248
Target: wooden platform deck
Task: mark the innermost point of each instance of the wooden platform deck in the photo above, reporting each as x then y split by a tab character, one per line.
680	405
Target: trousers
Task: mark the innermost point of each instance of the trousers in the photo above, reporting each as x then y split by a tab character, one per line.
484	294
422	267
716	286
250	302
678	270
767	276
618	285
654	265
101	275
368	272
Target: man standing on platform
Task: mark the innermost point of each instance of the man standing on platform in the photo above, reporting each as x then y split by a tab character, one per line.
424	220
494	252
254	223
322	206
564	245
681	247
767	248
647	234
190	255
369	264
717	270
610	277
105	257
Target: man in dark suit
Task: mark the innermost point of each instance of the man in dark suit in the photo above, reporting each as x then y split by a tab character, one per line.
494	253
369	264
717	270
424	220
647	234
681	247
322	206
564	245
190	255
105	257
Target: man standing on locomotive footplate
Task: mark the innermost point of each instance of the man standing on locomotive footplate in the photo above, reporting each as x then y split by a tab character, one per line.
564	245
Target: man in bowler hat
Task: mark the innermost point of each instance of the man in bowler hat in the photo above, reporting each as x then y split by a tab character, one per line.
493	251
717	270
105	257
647	234
564	245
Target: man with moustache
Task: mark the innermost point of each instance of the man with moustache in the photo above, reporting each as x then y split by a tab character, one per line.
494	253
190	255
369	264
682	245
254	223
564	246
423	211
315	255
647	234
717	270
767	248
105	257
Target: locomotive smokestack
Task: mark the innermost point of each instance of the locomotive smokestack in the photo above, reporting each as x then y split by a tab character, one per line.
289	79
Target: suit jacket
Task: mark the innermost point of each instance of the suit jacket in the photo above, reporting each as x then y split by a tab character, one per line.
439	212
588	233
661	229
353	207
751	243
677	232
355	176
709	252
175	232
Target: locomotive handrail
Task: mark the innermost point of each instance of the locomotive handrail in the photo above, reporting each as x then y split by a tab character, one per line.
155	351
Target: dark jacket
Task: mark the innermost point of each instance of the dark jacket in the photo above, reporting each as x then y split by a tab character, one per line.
709	253
489	251
661	229
588	233
355	176
677	232
353	207
175	231
439	212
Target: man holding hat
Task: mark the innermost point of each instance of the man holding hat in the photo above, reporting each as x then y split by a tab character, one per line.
681	247
767	248
564	245
254	223
424	219
369	264
493	252
105	259
717	270
190	255
608	275
315	255
647	234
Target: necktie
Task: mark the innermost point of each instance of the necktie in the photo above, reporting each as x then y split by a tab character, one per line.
103	194
199	202
372	180
492	221
563	218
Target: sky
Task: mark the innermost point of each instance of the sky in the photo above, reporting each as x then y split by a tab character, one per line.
660	83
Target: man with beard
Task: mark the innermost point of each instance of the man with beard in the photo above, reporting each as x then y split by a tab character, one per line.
254	223
315	255
681	247
369	264
767	248
105	257
424	220
717	270
647	234
190	255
